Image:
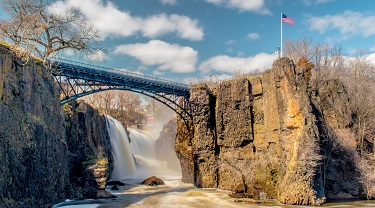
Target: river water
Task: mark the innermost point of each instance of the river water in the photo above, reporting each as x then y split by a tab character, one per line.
134	160
175	194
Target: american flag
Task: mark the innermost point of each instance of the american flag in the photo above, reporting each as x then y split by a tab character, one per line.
287	19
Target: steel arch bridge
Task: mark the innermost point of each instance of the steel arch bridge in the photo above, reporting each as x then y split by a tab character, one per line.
78	79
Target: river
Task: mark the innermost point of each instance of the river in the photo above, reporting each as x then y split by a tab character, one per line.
175	194
134	160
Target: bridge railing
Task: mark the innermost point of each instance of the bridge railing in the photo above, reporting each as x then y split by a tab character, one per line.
120	72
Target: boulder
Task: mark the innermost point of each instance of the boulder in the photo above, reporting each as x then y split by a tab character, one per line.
240	188
153	181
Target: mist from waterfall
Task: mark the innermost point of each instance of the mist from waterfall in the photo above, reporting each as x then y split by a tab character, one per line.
135	157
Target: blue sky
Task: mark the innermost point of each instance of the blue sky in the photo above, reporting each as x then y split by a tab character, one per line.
189	40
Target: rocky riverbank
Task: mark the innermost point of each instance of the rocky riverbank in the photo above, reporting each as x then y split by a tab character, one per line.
269	135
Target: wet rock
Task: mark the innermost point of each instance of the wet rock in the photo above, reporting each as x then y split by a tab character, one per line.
239	195
153	181
248	200
115	187
118	183
103	194
240	188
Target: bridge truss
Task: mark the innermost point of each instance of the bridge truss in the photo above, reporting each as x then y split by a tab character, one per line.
77	80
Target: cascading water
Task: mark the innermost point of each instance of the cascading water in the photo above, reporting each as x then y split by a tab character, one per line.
124	164
135	158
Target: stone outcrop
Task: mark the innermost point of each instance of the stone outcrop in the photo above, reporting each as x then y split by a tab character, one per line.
152	181
260	132
89	150
41	163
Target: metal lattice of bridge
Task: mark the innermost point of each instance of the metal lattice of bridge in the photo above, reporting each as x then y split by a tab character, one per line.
77	80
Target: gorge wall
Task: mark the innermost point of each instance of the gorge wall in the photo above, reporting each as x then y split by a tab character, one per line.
266	134
41	162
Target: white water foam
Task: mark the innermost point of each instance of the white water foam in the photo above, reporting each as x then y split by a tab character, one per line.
135	158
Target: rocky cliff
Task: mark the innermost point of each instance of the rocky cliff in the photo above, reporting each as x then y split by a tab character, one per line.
89	151
265	134
41	164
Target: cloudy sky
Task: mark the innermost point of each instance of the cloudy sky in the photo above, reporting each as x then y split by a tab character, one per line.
193	39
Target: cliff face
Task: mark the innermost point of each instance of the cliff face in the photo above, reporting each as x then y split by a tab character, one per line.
33	146
261	132
89	151
39	161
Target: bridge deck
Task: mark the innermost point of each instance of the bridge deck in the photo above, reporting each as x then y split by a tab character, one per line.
113	77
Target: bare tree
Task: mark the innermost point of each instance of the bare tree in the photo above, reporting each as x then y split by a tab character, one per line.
327	60
125	106
358	75
361	84
101	101
35	28
300	48
161	112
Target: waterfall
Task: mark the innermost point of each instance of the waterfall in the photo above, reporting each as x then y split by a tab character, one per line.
124	164
135	158
142	147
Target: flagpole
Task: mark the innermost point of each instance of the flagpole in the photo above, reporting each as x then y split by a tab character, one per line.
281	36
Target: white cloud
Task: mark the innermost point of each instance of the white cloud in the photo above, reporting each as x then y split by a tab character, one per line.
348	23
372	48
69	52
97	55
311	2
208	78
253	36
170	2
111	21
172	57
229	64
161	24
230	42
323	1
129	71
243	5
371	58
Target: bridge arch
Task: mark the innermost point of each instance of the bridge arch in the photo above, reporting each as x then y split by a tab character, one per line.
77	80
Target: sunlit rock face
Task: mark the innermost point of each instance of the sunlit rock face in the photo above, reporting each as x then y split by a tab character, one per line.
259	131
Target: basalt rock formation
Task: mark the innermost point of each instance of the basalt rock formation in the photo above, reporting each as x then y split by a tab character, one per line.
265	133
42	164
89	150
